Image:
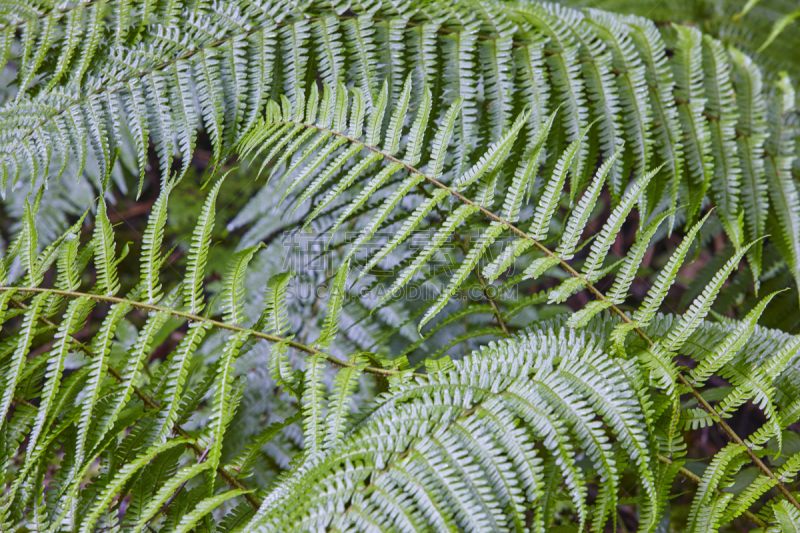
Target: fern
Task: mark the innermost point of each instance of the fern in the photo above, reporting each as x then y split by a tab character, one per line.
581	78
557	403
524	161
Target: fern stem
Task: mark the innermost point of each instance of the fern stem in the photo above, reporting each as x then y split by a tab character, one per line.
23	401
493	302
197	318
574	273
482	281
688	474
736	438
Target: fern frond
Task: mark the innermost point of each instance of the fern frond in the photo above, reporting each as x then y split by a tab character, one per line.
233	290
691	98
122	477
534	387
222	397
782	190
346	380
198	252
605	238
335	301
730	346
725	181
752	108
105	254
548	18
131	401
17	360
657	293
151	247
312	400
175	379
203	508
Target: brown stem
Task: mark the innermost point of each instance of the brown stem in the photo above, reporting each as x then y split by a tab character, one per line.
493	302
197	318
738	440
484	287
688	474
23	401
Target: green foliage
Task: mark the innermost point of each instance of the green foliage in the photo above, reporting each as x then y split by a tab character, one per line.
543	153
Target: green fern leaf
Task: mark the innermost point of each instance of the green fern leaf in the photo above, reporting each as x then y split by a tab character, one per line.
336	297
104	499
151	247
198	251
105	254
